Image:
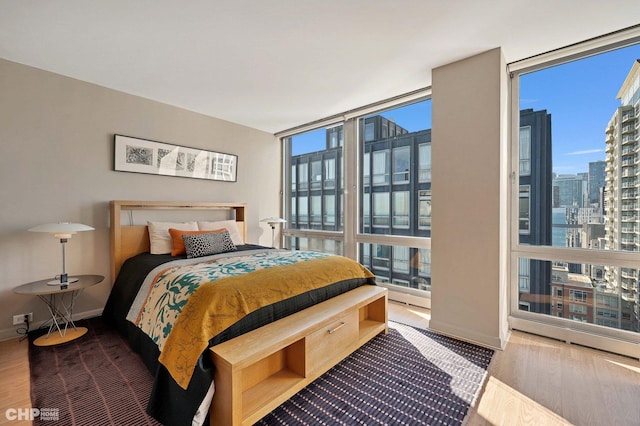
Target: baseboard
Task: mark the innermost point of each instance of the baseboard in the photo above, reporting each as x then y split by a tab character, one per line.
11	333
492	342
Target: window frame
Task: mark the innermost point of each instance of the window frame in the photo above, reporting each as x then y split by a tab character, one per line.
610	339
350	235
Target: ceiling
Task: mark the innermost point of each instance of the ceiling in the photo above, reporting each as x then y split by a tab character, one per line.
276	64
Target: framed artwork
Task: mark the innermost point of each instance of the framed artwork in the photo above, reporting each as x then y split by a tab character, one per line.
159	158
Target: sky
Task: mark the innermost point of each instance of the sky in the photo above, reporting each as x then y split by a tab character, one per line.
413	117
581	98
579	95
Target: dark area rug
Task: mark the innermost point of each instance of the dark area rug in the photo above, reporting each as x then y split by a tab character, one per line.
94	380
408	376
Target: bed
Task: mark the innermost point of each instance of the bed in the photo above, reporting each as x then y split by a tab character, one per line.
176	310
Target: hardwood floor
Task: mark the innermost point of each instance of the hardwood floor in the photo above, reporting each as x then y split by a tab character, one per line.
540	381
535	381
14	379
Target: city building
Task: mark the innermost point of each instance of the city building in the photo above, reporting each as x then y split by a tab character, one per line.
596	182
572	295
535	201
622	196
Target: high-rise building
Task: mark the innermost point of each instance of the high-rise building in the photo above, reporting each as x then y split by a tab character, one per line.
535	208
622	195
596	181
572	190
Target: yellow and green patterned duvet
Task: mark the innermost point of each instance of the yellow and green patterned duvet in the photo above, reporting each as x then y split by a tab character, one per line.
182	305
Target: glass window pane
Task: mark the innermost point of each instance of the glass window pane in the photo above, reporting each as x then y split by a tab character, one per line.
316	210
329	173
380	167
316	166
579	185
402	266
401	164
323	245
381	209
329	216
401	209
397	162
424	162
577	292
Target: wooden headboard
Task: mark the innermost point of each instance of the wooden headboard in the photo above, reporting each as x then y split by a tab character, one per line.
129	240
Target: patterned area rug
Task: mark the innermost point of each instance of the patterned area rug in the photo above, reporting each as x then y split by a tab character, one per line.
407	377
94	380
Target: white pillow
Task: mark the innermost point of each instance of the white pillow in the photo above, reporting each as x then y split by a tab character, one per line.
159	238
230	226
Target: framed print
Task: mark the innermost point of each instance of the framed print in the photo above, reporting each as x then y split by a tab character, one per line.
159	158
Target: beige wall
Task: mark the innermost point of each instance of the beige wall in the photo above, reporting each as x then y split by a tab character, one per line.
469	238
56	135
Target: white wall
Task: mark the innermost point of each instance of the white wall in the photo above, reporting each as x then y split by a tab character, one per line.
469	175
56	164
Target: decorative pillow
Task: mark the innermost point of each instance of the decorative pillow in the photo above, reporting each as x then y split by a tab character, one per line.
198	245
177	242
159	238
230	225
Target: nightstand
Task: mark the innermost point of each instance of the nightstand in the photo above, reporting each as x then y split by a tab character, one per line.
60	300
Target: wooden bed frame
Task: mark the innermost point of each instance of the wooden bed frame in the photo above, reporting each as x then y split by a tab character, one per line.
129	240
259	370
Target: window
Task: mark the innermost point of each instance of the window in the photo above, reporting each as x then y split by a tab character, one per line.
401	209
424	162
315	244
366	169
525	208
388	172
316	210
381	209
401	259
314	201
316	174
303	211
293	178
577	309
398	155
380	168
424	210
525	150
329	210
401	164
578	296
381	257
575	138
369	131
329	173
524	275
303	174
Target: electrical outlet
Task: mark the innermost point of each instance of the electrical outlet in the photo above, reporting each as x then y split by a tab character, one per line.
19	319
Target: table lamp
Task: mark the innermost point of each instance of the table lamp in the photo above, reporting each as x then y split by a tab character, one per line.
273	221
64	231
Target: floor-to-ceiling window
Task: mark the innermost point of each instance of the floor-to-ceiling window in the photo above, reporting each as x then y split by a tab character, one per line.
395	185
575	258
383	157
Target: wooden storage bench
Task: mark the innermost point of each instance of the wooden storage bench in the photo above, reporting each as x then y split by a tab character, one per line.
258	371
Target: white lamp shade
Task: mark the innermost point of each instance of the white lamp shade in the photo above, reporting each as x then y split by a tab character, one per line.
61	229
273	220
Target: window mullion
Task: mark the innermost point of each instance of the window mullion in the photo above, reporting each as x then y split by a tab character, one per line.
351	152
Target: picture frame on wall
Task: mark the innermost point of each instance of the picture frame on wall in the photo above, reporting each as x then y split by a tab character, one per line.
159	158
